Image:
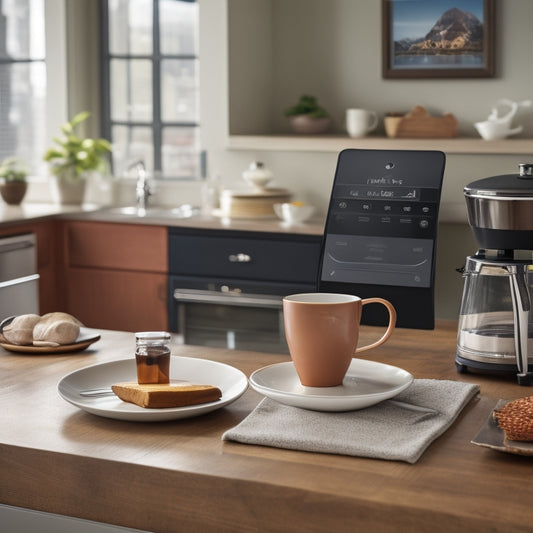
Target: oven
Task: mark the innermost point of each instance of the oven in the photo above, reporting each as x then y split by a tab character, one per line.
226	287
19	280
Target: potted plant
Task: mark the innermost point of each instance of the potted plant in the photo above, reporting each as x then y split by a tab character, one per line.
13	181
307	116
74	159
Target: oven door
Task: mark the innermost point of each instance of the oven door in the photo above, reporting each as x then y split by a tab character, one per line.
231	320
234	314
19	280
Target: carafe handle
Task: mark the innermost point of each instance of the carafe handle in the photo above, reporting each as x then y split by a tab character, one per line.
521	307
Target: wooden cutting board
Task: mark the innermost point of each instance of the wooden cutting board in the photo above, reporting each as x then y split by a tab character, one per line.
255	203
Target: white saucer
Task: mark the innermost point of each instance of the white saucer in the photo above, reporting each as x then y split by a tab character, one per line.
231	381
366	383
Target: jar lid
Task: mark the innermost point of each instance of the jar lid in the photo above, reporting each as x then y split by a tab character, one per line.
505	186
152	336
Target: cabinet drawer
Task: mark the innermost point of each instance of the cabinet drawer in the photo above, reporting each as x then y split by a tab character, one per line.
244	258
109	299
117	246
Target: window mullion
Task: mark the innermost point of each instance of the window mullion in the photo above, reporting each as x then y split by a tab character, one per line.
156	91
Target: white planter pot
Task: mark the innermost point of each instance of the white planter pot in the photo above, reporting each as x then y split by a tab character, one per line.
68	190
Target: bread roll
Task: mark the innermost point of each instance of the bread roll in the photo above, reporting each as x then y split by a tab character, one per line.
516	419
55	329
20	330
158	395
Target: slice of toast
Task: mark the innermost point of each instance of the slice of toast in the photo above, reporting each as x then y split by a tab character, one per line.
158	395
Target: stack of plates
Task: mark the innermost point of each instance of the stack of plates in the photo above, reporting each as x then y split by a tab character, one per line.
257	203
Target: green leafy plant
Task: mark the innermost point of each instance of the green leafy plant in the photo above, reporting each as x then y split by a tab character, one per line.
77	155
307	105
12	170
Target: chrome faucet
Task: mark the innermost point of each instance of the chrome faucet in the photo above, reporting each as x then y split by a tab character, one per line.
143	189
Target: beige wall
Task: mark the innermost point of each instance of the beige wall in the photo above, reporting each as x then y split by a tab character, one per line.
83	57
271	51
258	56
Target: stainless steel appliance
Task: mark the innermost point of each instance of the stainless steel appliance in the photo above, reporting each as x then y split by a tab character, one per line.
381	231
495	331
19	281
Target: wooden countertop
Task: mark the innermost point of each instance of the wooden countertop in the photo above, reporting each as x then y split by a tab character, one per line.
180	475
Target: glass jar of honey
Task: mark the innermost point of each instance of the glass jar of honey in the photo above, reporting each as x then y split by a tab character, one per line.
152	355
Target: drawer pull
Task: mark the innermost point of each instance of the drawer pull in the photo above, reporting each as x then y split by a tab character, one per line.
239	258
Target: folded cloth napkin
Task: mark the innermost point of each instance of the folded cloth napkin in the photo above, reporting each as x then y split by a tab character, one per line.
399	429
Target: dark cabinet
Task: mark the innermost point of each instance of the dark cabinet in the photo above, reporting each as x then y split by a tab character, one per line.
226	287
258	256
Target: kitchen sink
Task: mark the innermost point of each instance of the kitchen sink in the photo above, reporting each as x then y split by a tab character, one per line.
183	211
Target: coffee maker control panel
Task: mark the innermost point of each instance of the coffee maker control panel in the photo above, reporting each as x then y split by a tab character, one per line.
382	223
393	211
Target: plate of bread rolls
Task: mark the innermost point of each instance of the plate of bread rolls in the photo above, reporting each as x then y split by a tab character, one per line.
51	333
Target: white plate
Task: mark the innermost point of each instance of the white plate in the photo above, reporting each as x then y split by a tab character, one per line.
231	381
366	383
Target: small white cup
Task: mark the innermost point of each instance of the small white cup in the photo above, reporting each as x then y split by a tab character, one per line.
293	214
494	130
359	122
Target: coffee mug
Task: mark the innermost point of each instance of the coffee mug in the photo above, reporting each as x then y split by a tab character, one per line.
359	122
322	330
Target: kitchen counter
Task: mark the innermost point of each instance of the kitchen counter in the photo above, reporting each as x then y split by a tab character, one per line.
180	475
26	212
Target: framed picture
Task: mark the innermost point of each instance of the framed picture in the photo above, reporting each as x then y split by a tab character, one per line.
438	38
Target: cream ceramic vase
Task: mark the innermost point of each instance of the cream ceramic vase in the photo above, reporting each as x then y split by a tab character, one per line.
68	188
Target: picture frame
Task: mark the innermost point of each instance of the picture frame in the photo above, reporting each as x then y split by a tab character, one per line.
414	43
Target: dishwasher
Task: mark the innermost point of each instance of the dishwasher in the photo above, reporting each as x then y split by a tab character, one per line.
19	280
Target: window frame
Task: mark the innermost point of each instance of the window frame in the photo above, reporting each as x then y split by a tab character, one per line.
157	125
55	64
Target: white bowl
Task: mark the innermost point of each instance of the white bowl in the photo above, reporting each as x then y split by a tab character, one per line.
293	214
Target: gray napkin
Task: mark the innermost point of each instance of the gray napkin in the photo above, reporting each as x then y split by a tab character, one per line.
388	430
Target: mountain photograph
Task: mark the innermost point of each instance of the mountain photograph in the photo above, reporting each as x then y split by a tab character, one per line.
438	34
456	31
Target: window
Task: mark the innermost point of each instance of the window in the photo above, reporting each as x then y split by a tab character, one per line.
23	82
150	79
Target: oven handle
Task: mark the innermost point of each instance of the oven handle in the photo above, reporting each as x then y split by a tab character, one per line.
18	281
227	298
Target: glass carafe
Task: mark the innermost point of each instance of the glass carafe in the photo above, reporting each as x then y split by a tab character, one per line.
488	315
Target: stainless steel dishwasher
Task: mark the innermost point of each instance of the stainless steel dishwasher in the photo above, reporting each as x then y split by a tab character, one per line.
19	280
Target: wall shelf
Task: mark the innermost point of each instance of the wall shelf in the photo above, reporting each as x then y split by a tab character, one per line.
336	143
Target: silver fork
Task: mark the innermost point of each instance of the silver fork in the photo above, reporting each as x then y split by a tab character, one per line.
90	393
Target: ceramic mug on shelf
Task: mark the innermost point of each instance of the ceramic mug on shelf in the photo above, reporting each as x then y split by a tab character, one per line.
495	130
322	330
359	122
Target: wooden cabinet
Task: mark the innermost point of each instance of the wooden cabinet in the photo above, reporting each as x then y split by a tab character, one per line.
116	275
48	235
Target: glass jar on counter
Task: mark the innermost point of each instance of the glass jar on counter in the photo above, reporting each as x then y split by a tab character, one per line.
152	356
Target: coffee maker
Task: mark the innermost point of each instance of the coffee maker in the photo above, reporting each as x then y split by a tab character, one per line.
495	330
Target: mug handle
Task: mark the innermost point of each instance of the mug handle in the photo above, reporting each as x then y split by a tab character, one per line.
390	327
374	124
